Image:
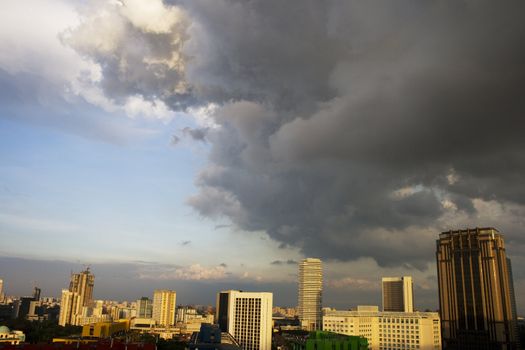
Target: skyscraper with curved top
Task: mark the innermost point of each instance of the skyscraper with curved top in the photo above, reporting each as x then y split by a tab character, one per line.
310	293
476	297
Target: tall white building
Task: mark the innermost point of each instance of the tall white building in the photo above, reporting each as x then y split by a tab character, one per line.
78	296
1	290
398	294
68	306
387	330
310	294
247	316
164	305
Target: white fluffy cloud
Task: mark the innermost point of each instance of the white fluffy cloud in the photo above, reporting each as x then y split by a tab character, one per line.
353	283
191	272
62	44
152	15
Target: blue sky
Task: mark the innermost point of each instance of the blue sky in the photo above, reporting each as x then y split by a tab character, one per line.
91	200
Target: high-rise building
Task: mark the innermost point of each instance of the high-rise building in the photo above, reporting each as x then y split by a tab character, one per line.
68	303
398	294
164	305
247	316
475	290
387	330
144	308
80	294
83	283
36	294
1	290
310	294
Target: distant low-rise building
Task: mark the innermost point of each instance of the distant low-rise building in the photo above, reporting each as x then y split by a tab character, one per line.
11	337
387	330
210	337
105	329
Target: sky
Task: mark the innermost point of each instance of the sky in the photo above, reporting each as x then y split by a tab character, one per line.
207	145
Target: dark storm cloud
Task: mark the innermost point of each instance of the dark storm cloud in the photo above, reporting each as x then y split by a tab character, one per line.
281	262
406	114
353	129
197	134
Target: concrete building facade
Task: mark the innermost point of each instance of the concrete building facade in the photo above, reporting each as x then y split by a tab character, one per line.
475	290
1	290
144	308
247	316
398	294
68	303
164	306
310	294
78	296
387	330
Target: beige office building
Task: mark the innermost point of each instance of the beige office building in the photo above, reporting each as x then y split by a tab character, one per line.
387	330
398	294
164	305
310	299
83	283
78	296
247	316
68	305
475	290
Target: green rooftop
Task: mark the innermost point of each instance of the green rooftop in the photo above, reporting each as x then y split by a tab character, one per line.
320	340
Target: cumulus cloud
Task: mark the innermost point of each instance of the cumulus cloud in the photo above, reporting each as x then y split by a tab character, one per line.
357	129
191	272
353	283
353	158
138	46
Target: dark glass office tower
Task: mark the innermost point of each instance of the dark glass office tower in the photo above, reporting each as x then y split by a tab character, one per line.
475	290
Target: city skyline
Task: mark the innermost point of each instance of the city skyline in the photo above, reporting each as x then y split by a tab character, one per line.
193	289
202	146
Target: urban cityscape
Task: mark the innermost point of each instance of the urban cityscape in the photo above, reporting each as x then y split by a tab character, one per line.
476	297
262	175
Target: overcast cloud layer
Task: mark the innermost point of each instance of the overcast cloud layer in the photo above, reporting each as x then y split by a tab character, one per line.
346	128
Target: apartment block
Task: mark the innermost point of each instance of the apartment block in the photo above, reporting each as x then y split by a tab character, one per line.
247	316
387	330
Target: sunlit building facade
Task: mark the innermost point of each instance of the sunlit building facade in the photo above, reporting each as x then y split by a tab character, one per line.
387	330
475	290
78	296
144	308
310	292
398	294
247	316
164	305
